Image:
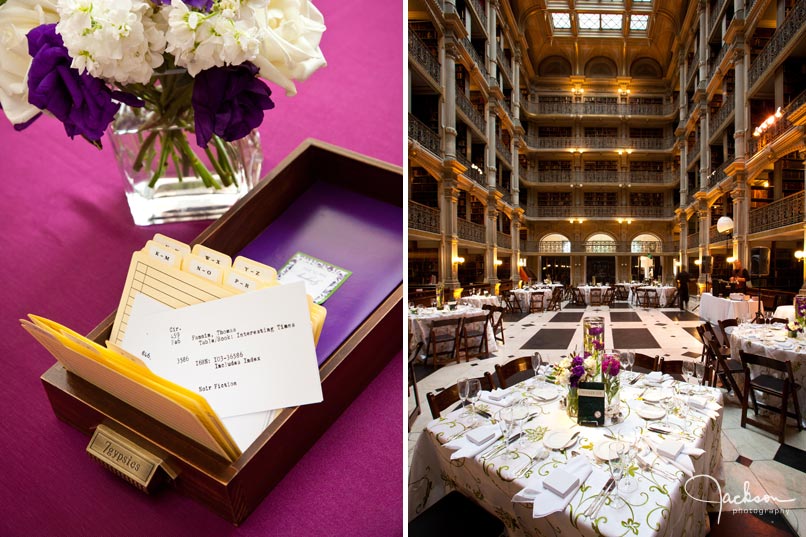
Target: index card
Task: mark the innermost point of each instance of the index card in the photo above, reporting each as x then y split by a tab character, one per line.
247	353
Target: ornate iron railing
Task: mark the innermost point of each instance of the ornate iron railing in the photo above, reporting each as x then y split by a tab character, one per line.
651	143
693	152
419	51
545	211
429	139
423	218
472	171
504	64
785	33
693	240
713	20
478	59
503	240
783	212
722	114
606	108
482	14
714	63
719	174
506	195
504	150
471	112
795	104
769	136
471	231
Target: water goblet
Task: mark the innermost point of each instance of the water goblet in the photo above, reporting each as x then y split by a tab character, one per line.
689	371
617	470
669	405
537	361
473	393
631	359
627	484
463	387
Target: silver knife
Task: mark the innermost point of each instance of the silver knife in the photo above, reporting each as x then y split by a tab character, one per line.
604	498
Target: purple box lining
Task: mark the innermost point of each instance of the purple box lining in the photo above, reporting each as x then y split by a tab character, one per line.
348	229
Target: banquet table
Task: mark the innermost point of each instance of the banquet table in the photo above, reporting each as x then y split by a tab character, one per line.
68	224
586	291
524	296
773	342
420	323
477	301
714	308
493	477
664	293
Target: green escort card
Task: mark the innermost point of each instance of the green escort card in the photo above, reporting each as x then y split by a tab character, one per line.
591	403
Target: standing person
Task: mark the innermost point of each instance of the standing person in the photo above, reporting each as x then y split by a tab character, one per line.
682	288
740	277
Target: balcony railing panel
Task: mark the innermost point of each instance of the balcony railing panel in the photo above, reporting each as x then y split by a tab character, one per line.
504	150
714	63
480	11
419	51
769	136
784	212
506	195
647	177
548	212
471	112
472	232
719	174
599	176
722	114
472	171
503	240
783	35
423	218
429	139
600	108
651	143
693	240
598	142
477	58
504	64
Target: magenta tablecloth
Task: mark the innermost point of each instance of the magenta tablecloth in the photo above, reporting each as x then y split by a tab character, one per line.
66	242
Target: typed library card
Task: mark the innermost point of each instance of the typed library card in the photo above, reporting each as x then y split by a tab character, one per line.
247	353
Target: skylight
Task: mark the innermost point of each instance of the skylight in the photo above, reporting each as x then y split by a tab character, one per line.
561	21
639	22
567	20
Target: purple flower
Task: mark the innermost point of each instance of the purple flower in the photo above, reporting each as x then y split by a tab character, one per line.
576	361
597	344
202	5
82	102
229	102
611	366
595	330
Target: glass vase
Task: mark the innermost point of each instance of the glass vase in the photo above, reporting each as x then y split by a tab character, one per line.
182	181
593	340
613	404
572	403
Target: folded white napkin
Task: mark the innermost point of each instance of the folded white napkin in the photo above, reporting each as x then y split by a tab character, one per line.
704	406
683	460
545	500
466	448
498	397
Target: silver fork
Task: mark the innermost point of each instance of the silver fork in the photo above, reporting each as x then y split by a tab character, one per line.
599	496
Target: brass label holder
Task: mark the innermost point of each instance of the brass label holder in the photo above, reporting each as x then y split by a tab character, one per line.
130	461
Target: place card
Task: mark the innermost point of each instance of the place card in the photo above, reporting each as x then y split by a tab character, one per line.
246	353
591	403
321	278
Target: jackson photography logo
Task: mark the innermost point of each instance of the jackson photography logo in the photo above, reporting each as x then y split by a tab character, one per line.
745	499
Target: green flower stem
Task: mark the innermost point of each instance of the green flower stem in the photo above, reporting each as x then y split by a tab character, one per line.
146	145
177	161
197	164
224	160
166	150
222	173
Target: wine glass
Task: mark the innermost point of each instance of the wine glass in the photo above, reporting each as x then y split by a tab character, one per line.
617	470
473	393
463	387
689	371
506	421
669	405
627	484
537	361
631	359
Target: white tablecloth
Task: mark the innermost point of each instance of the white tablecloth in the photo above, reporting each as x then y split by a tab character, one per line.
785	312
477	301
659	507
664	294
714	308
757	339
524	296
586	291
420	324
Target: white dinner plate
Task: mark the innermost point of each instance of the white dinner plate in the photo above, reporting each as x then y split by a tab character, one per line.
605	451
545	394
654	395
560	439
649	412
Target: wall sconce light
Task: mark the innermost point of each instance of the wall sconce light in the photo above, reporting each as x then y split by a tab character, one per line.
499	262
629	151
577	220
458	260
766	184
577	90
522	262
799	255
698	262
767	123
623	91
730	259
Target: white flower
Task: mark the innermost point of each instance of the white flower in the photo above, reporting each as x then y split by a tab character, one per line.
565	363
564	377
199	41
589	364
290	31
117	40
17	18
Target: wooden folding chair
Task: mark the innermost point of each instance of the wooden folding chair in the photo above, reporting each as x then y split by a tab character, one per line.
536	302
641	298
443	341
446	398
609	294
556	300
595	298
413	357
725	368
724	324
495	315
511	304
673	368
474	327
771	385
652	298
514	371
645	363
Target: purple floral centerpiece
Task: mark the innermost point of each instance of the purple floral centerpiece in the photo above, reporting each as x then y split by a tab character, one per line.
185	80
572	370
611	367
593	329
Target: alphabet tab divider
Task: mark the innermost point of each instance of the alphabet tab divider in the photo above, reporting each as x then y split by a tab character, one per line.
257	270
204	268
213	256
172	243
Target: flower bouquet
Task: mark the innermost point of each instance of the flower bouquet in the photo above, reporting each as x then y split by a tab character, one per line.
183	78
570	371
611	367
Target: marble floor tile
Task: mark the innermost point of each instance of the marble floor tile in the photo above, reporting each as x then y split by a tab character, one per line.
757	446
729	452
782	482
743	490
797	519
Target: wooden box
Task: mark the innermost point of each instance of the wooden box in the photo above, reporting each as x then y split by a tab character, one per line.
234	490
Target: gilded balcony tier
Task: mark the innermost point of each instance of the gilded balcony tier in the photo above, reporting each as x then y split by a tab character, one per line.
600	212
423	218
784	39
781	213
420	132
608	143
605	107
599	247
421	56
